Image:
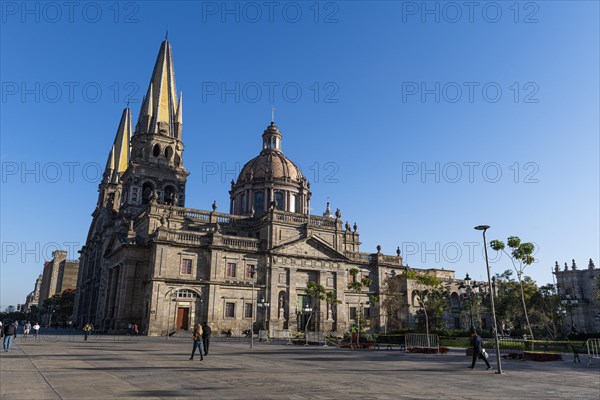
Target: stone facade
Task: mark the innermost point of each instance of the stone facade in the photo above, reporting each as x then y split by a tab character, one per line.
577	289
151	260
58	275
33	298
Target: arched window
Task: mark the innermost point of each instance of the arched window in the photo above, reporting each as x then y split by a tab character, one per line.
454	301
259	201
243	203
169	196
147	190
168	152
156	150
279	200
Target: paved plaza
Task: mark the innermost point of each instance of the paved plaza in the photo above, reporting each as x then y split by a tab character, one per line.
107	367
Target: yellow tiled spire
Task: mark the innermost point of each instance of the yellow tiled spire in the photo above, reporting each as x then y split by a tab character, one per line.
118	159
159	108
122	142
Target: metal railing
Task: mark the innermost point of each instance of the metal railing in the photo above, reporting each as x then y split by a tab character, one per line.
593	349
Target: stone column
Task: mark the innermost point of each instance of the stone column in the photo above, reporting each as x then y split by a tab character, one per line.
292	304
341	314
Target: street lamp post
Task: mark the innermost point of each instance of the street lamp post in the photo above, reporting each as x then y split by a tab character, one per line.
570	302
487	263
252	273
308	310
264	305
469	295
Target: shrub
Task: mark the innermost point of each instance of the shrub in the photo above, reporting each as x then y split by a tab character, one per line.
427	350
535	356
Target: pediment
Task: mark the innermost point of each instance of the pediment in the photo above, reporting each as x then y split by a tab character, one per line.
312	247
114	244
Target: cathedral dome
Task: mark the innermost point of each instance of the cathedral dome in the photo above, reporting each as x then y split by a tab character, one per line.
269	177
270	165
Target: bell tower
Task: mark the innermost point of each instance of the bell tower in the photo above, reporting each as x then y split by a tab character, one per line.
156	164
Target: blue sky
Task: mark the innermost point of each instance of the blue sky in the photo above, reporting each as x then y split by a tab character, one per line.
418	120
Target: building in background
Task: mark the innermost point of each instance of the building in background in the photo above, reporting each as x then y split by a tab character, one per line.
578	290
58	275
33	298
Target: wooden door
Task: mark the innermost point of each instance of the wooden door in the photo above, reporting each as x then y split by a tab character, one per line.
183	314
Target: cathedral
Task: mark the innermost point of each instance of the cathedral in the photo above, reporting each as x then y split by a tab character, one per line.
151	260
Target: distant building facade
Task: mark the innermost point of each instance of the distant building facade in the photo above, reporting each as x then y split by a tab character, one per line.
58	275
33	298
577	289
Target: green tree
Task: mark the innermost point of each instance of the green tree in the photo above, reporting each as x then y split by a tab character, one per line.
545	302
60	307
314	291
331	300
393	302
427	295
357	285
521	257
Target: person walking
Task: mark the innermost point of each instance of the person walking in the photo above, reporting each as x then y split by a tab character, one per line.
354	337
478	351
26	329
86	331
9	333
206	337
135	329
36	330
197	337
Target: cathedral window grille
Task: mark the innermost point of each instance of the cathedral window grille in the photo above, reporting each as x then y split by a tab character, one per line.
248	310
229	310
367	312
186	266
231	270
156	150
186	294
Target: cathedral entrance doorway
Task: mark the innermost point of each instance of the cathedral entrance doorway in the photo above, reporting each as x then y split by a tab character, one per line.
183	318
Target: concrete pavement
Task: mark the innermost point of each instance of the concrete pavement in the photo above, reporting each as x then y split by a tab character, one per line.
66	367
